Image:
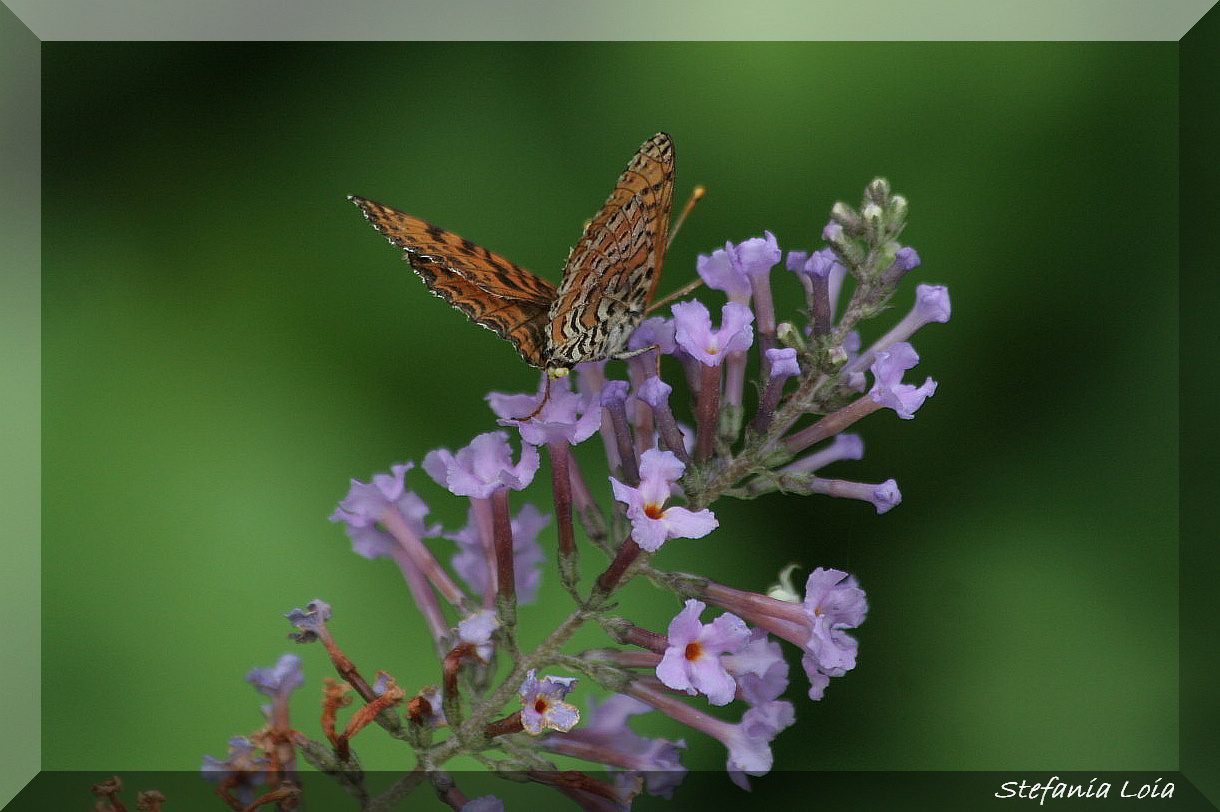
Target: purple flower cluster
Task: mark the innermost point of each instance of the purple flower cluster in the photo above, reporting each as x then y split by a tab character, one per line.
812	381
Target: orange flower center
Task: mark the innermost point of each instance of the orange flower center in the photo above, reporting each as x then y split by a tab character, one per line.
654	511
540	705
693	651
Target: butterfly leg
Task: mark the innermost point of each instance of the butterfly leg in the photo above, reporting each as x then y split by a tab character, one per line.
623	356
552	373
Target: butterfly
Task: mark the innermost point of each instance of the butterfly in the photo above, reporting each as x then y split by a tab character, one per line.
608	281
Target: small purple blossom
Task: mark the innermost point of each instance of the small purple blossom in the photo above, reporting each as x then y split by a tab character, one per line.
606	738
759	668
279	680
694	333
311	621
656	331
888	389
470	562
932	303
833	602
823	264
435	717
692	661
482	466
755	256
477	630
718	273
651	522
885	496
783	362
543	706
241	771
907	258
613	393
655	392
566	416
750	745
365	504
382	683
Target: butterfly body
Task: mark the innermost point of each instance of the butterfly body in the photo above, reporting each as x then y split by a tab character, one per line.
607	283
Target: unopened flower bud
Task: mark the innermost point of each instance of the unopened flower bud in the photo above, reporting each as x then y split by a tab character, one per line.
846	218
878	191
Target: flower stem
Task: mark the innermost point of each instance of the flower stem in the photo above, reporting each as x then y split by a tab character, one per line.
396	523
831	424
628	552
561	486
709	404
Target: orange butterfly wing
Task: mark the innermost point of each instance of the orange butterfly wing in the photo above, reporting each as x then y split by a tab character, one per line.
493	292
612	273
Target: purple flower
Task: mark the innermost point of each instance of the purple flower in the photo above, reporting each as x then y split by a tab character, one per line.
365	504
383	683
692	663
833	602
694	333
755	256
888	389
606	739
486	803
932	303
654	391
821	264
783	362
729	269
750	743
651	522
470	562
543	706
481	467
884	496
242	772
718	273
566	416
759	668
907	258
435	715
279	680
477	630
311	621
656	331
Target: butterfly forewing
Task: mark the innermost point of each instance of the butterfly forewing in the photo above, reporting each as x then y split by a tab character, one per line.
607	283
492	291
612	273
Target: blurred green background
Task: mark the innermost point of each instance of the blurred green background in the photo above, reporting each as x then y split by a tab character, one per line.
227	343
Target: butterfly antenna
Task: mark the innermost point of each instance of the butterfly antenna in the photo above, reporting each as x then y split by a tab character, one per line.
682	291
695	196
546	395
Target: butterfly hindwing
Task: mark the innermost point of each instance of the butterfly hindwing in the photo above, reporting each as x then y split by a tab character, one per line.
612	273
492	291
